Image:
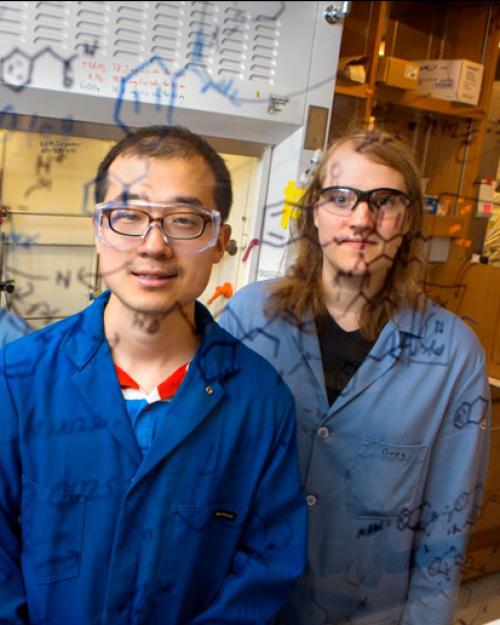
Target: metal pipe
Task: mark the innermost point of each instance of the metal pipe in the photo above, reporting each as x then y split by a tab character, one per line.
2	253
485	36
445	33
462	169
426	147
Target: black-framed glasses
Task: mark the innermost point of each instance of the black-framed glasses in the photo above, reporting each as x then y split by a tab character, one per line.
197	228
341	201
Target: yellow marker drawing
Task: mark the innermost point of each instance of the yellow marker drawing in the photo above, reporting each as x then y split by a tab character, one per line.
293	195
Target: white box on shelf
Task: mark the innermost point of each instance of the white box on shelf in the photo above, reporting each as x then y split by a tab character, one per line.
457	80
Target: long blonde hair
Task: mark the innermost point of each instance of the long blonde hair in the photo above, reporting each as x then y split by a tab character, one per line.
301	289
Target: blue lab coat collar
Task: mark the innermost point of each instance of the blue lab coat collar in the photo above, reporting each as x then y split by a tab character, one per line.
95	378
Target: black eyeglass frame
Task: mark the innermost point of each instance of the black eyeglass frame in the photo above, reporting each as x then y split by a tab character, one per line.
366	196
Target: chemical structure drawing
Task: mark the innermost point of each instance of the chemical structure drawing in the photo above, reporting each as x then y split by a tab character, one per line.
62	126
442	566
17	67
171	83
471	413
260	332
243	16
456	517
431	348
88	188
271	17
16	240
168	92
424	519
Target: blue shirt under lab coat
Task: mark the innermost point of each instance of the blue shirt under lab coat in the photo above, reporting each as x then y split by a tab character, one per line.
393	469
208	528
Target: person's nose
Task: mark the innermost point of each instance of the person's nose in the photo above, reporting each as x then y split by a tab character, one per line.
154	244
362	217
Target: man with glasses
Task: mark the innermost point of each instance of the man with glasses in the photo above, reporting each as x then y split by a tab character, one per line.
148	470
391	391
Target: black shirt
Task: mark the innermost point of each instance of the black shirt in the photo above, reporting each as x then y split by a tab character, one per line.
341	353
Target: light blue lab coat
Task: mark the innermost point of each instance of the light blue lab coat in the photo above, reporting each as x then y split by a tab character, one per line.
11	327
208	528
393	470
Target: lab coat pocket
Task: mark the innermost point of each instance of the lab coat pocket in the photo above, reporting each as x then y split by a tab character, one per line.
206	531
383	480
53	523
205	540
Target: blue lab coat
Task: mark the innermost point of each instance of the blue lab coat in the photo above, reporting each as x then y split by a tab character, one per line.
208	528
393	470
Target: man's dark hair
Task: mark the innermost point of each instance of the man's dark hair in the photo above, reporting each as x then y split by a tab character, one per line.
165	142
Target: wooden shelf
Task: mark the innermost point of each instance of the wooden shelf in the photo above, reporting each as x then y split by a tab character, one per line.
434	105
444	226
352	90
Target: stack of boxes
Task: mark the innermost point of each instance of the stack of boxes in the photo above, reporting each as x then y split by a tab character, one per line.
456	80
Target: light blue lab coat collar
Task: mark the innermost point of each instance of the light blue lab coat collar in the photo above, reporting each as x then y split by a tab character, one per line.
384	353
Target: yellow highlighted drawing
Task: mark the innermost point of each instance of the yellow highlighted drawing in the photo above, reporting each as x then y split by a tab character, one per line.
293	196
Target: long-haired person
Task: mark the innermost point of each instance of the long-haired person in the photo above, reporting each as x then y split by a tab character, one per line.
391	392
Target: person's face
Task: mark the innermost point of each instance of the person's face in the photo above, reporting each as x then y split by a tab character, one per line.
361	242
154	276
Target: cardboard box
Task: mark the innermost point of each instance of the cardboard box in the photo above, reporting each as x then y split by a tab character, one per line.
457	80
353	68
398	73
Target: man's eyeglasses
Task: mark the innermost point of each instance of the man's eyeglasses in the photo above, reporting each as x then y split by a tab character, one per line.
342	201
123	225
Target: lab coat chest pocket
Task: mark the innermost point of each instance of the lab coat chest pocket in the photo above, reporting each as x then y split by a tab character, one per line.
384	478
53	524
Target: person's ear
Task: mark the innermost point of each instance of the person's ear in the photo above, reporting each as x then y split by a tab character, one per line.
220	246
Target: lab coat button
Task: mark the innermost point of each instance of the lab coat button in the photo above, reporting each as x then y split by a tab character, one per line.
311	500
323	432
209	390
